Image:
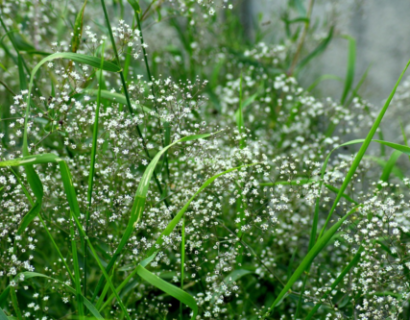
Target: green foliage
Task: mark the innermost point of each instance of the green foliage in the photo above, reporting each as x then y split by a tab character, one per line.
160	160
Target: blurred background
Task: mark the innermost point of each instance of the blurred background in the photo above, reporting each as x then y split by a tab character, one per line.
380	27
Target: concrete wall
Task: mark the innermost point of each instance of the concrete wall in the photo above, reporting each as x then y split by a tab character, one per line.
381	29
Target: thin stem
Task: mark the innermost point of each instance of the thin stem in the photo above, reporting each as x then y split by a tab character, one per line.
77	281
302	39
15	304
181	308
124	85
92	165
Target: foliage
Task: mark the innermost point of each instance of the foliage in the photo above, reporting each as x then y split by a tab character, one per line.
160	160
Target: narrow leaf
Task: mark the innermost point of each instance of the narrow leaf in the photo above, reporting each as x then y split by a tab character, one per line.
351	61
78	29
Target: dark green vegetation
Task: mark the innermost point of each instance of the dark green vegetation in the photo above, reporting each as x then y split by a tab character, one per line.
158	161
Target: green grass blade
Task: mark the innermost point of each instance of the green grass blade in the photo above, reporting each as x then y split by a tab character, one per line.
344	195
390	165
92	162
36	159
231	278
363	149
307	260
43	223
77	278
352	263
172	290
15	304
134	4
322	78
80	58
139	203
150	255
358	86
34	211
119	98
29	275
351	61
382	163
182	261
78	29
107	277
239	117
317	51
73	203
403	132
22	75
171	226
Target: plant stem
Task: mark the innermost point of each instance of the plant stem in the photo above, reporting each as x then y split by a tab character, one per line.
124	85
302	39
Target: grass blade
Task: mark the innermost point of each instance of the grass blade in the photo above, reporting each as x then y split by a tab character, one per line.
29	275
34	211
317	51
139	203
351	61
119	98
77	278
307	260
182	262
78	29
239	117
363	149
80	58
390	165
172	290
92	164
15	304
352	263
322	78
150	255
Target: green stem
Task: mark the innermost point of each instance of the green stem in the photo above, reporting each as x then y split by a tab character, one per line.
124	85
181	308
15	304
77	281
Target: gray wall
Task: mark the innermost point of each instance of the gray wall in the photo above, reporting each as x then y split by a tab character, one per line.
381	29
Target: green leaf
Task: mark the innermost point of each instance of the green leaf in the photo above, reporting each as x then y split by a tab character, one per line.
231	278
322	78
239	117
150	254
172	290
21	44
80	58
317	51
390	165
364	147
139	203
352	263
118	98
36	159
174	222
307	260
28	275
351	61
34	211
22	75
382	163
78	29
134	4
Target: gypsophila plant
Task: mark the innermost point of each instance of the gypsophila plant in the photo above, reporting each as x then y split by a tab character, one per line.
162	160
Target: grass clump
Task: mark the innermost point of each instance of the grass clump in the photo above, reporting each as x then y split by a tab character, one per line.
158	161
